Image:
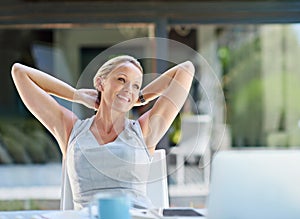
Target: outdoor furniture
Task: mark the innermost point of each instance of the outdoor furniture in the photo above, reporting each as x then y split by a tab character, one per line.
194	142
157	187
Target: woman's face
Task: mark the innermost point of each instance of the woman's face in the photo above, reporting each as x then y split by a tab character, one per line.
121	87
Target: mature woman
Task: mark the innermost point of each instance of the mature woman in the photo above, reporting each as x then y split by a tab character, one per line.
107	152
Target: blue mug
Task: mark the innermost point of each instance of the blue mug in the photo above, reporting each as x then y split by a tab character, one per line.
110	206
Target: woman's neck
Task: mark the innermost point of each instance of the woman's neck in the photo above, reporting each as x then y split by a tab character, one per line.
108	120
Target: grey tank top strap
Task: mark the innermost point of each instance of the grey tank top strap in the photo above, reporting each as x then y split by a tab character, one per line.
80	127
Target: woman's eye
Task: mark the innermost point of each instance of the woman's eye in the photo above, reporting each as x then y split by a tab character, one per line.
136	86
121	79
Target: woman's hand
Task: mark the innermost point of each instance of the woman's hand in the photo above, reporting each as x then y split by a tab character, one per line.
87	97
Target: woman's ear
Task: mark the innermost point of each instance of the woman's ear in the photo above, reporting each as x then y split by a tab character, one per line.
99	82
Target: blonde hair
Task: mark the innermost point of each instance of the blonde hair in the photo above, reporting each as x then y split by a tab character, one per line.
111	64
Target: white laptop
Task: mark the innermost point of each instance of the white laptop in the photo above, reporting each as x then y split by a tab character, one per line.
260	184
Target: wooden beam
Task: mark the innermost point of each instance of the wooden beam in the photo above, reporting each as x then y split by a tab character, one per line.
50	13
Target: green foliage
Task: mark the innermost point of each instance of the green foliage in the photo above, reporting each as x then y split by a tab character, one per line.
175	131
20	205
4	156
11	205
26	141
243	86
16	150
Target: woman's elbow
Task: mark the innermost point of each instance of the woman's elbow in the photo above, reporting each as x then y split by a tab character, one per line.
189	67
16	70
16	67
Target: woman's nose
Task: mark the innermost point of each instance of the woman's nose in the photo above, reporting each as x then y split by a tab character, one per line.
128	87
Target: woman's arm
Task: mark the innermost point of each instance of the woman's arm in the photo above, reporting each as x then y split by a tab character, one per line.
35	88
172	87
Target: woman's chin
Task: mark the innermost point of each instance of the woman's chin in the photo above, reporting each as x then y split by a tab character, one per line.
122	108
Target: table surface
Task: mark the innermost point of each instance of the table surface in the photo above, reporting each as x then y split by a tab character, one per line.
83	214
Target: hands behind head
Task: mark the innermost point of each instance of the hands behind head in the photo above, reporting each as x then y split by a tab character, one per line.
87	97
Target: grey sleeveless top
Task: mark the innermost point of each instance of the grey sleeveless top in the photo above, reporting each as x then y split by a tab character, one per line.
118	166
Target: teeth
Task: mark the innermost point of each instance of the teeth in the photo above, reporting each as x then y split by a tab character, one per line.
124	98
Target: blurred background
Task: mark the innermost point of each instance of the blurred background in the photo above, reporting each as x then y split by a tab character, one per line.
252	48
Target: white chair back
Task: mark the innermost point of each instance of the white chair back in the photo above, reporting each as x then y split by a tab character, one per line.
195	134
157	186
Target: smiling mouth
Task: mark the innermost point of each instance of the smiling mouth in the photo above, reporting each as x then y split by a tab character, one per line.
123	98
